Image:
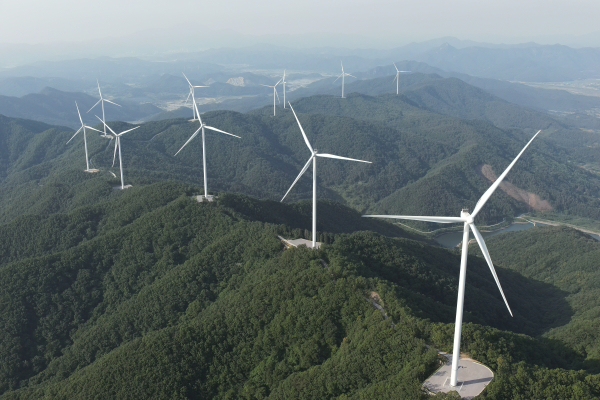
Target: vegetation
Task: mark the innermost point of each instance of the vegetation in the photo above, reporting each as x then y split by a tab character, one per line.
147	293
151	294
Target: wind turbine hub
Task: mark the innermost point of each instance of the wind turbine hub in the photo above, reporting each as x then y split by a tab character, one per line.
315	151
466	216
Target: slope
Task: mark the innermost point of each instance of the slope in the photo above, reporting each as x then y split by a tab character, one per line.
56	107
175	301
416	155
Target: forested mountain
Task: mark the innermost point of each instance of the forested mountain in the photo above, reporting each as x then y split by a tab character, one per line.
151	294
415	153
56	107
568	260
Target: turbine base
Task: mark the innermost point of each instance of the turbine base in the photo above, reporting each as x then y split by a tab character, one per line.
289	243
201	198
474	377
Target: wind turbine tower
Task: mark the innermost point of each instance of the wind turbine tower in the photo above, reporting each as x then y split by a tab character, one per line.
201	128
102	100
191	94
118	145
283	81
274	93
83	126
468	222
397	78
313	157
343	75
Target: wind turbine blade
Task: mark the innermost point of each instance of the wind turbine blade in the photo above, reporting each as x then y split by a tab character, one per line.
396	77
302	130
115	152
340	158
200	86
338	78
278	82
75	134
495	185
94	129
94	105
486	255
197	112
99	91
188	81
440	220
108	101
189	140
396	67
351	76
218	130
106	125
266	85
299	175
78	113
129	130
188	98
276	94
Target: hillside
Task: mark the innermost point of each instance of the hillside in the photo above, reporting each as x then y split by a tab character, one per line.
566	259
415	153
56	107
162	296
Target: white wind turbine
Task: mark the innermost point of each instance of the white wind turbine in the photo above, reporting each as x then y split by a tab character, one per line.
343	75
274	93
83	126
283	81
397	78
467	220
313	158
191	94
201	128
102	100
118	145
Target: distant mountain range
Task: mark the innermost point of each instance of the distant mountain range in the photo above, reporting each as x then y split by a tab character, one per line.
56	107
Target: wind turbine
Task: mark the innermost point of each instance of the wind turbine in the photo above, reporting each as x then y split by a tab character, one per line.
102	100
191	94
202	126
313	157
397	78
118	145
274	93
343	75
467	220
83	126
283	81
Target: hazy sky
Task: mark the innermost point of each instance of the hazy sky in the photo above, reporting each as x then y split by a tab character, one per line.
42	21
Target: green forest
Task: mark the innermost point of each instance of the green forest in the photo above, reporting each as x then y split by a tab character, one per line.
147	293
157	295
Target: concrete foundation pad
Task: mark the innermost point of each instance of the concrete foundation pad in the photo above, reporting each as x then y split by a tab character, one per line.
473	377
299	242
91	170
202	198
119	187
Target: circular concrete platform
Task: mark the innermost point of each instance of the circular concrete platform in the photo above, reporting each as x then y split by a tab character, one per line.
473	377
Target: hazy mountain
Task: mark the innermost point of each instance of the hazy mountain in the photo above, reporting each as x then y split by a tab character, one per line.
56	107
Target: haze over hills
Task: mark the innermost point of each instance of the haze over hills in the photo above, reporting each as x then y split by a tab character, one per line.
56	107
248	94
145	292
414	150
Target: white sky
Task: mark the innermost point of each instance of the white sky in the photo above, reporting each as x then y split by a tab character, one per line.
43	21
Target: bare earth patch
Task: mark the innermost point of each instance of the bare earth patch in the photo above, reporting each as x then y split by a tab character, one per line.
533	200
